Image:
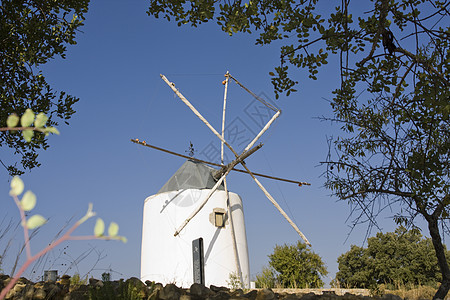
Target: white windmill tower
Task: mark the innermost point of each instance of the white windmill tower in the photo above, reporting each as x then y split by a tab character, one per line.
193	228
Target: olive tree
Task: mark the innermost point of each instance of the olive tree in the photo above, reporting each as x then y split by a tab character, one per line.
400	258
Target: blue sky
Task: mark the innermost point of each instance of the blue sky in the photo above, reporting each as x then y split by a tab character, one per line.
114	70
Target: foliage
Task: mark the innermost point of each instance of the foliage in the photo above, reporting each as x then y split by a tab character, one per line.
353	269
31	34
28	202
76	280
106	276
400	258
392	102
27	119
296	266
415	293
234	281
266	279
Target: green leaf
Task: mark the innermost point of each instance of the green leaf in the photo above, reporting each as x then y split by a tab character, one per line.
99	228
17	186
28	135
40	121
28	201
36	221
12	121
113	229
27	118
51	129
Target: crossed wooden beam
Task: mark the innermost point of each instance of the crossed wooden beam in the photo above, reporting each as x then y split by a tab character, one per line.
221	174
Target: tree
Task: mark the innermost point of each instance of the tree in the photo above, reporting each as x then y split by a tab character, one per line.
392	102
354	269
295	266
32	33
402	257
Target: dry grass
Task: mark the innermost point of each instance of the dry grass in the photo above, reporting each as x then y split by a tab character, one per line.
416	293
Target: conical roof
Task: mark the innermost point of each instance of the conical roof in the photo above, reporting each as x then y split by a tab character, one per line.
191	175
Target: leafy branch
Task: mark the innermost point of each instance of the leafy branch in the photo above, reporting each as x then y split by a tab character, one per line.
27	119
27	203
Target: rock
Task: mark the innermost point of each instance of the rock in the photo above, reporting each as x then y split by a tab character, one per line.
217	289
4	276
265	294
39	285
4	280
154	295
18	287
251	295
221	295
24	281
39	294
170	292
29	291
155	291
65	280
348	296
137	284
310	296
390	297
290	297
52	290
237	293
95	282
200	291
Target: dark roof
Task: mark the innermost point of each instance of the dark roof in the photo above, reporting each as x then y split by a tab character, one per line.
191	175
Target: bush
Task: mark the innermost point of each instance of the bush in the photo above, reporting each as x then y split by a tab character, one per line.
293	266
396	259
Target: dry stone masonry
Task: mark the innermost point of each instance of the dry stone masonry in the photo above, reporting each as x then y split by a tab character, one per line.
133	288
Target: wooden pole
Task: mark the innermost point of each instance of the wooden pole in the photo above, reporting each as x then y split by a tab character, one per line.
195	111
233	235
271	199
144	143
223	116
263	130
230	166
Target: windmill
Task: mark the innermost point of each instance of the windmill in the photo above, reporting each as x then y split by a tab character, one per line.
209	245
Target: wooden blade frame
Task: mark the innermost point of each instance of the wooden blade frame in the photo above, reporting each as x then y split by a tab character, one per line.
229	211
236	161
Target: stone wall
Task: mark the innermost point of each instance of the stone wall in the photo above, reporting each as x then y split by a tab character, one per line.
133	288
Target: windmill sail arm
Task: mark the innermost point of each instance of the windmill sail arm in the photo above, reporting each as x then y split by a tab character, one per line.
277	206
144	143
